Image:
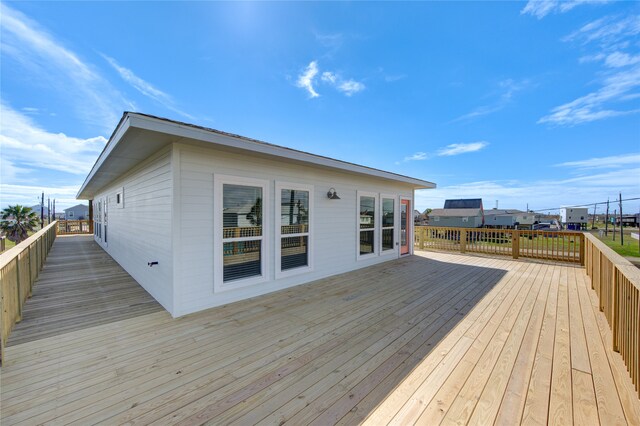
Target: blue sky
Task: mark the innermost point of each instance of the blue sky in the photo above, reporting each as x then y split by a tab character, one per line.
532	103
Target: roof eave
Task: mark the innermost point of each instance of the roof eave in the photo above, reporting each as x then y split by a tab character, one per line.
189	131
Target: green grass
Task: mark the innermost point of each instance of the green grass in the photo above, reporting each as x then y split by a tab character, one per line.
630	247
10	244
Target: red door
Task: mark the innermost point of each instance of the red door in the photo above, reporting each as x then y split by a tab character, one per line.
405	226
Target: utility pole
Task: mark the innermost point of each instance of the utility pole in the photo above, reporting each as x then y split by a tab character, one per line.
621	228
48	210
615	213
42	211
593	221
606	220
54	209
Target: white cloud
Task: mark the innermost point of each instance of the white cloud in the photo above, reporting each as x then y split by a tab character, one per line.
147	89
449	150
350	87
541	8
308	77
461	148
329	77
541	194
621	59
29	195
305	80
49	62
26	146
596	105
503	95
619	79
417	156
607	30
615	161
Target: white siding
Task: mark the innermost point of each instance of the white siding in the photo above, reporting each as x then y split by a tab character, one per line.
141	231
333	238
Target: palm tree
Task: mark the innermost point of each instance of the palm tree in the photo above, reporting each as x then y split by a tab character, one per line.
17	222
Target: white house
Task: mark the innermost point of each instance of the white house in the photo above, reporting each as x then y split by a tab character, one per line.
574	217
202	218
77	212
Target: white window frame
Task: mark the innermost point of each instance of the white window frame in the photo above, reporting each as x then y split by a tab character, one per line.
376	225
120	196
310	234
218	278
105	219
410	225
396	228
70	213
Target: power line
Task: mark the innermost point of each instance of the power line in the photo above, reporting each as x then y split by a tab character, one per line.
582	205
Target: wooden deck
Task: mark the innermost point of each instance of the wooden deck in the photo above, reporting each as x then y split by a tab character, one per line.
431	339
80	286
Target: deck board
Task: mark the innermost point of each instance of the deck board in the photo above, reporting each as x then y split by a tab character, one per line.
80	286
435	338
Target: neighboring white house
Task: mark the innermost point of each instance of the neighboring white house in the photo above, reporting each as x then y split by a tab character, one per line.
574	217
77	212
201	218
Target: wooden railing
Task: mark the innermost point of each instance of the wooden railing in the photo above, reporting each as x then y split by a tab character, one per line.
617	283
19	268
70	227
547	245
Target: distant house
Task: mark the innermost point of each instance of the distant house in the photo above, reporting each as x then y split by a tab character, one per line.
201	218
36	209
631	220
462	213
457	218
77	212
508	219
574	217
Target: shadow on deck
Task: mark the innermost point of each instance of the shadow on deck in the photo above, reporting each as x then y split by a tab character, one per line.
435	338
80	286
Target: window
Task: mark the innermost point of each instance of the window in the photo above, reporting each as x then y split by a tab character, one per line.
465	219
436	218
70	213
120	199
388	224
240	232
367	224
106	217
293	209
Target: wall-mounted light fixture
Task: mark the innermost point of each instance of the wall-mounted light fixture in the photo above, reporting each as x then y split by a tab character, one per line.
332	194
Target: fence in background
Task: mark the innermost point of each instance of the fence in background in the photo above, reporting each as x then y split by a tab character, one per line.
70	227
19	269
536	244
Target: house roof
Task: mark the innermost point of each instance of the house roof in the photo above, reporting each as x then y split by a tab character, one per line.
502	212
78	206
137	136
455	212
469	203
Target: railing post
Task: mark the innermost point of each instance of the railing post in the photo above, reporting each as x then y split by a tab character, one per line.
30	273
3	243
614	309
19	306
423	236
463	241
583	250
515	244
